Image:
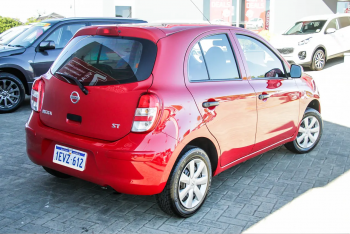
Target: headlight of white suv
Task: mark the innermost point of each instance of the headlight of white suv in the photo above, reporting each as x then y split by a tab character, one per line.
304	42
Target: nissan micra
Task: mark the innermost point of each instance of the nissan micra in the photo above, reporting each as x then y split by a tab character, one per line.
161	109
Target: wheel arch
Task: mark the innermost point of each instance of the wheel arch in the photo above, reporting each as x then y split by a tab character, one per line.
18	73
322	47
205	144
314	104
208	146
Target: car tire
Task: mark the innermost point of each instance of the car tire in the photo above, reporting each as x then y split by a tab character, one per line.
186	191
11	90
318	60
309	133
56	173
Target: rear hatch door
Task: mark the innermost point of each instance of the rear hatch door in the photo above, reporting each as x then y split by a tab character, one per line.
115	71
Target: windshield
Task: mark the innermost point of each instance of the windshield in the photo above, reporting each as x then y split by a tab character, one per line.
98	60
27	38
8	37
306	27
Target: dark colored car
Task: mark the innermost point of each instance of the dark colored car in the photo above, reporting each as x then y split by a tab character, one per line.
31	54
161	109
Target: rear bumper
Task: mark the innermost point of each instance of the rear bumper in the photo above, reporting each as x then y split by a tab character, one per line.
127	165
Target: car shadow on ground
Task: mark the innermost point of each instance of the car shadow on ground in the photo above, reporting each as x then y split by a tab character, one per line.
33	201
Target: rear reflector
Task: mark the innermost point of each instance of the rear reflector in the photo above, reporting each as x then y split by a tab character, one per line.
146	113
37	95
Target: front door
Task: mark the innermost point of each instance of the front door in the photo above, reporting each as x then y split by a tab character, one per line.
224	97
278	95
332	41
61	36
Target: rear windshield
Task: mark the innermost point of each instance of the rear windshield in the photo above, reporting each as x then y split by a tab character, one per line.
100	60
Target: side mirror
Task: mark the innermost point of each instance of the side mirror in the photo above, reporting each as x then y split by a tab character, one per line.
47	45
330	30
296	71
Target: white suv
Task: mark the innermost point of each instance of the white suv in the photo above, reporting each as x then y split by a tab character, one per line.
255	23
314	40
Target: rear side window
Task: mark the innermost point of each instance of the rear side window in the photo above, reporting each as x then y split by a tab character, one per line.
212	58
332	24
344	22
98	60
261	61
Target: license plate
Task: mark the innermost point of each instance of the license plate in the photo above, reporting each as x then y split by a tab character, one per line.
69	157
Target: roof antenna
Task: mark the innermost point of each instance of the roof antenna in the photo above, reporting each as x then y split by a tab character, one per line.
201	12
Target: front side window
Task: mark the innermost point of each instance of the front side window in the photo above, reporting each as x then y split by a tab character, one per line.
306	27
28	37
63	34
98	60
212	58
261	61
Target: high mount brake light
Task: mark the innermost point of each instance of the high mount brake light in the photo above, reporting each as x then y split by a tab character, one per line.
146	113
108	31
37	95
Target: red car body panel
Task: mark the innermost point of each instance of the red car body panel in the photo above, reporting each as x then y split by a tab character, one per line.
140	163
99	109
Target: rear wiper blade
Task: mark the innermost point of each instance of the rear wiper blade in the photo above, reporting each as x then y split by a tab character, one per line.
81	86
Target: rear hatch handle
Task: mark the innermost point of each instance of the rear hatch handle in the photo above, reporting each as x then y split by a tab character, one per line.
81	86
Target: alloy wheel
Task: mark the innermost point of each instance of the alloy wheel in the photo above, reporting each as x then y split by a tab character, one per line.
309	131
9	94
319	59
193	183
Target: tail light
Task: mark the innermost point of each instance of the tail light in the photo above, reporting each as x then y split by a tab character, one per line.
146	113
37	94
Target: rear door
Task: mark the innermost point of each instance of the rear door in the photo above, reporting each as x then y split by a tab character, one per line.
278	95
224	97
332	41
344	31
61	36
114	70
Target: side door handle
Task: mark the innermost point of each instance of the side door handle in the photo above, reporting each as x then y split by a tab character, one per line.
210	104
264	96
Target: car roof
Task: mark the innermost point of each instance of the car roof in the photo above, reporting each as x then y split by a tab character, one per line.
153	32
323	17
54	21
171	28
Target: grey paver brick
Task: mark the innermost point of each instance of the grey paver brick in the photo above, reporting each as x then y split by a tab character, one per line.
213	214
32	228
249	209
172	229
233	229
214	224
150	230
215	230
156	222
194	227
234	221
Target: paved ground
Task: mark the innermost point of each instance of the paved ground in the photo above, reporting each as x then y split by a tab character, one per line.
33	201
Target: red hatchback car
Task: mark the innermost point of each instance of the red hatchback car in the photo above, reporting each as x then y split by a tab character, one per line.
160	109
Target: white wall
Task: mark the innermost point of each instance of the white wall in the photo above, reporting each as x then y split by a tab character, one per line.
89	8
284	13
164	10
